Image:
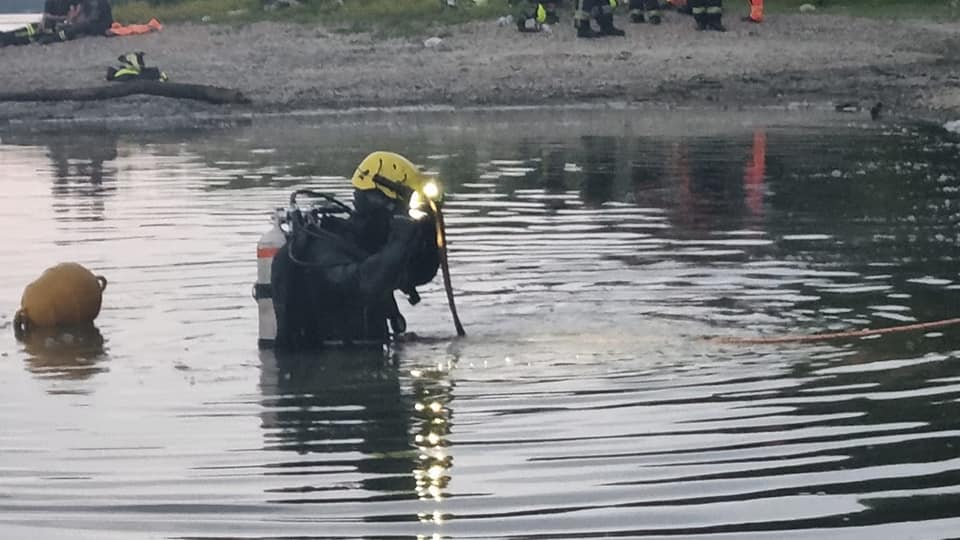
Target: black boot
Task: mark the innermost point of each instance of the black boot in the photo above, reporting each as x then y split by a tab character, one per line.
713	22
701	20
584	30
607	28
655	19
637	17
16	37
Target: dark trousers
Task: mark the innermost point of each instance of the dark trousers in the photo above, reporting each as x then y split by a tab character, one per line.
646	8
706	11
600	10
582	12
33	34
21	36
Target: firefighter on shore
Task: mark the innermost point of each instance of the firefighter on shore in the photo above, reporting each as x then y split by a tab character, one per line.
64	20
334	278
756	12
708	14
645	11
602	11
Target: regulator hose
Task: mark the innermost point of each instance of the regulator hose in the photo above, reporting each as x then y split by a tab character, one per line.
445	266
319	195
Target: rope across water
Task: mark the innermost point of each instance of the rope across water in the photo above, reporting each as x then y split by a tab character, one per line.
836	335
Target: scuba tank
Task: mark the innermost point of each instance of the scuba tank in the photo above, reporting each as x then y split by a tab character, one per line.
285	224
267	247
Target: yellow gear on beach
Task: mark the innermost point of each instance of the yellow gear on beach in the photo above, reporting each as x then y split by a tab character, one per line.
125	72
392	167
541	14
134	60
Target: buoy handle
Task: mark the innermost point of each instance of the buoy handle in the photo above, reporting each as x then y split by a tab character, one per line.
20	324
103	283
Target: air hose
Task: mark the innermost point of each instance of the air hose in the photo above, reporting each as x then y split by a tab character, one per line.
445	266
406	193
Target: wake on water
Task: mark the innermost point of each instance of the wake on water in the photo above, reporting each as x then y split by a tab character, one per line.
953	126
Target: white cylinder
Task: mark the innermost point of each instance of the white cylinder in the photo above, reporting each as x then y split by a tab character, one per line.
267	247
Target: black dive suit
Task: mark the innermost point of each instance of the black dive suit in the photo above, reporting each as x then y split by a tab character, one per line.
333	280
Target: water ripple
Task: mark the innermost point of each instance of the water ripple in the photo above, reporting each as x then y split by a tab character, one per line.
589	264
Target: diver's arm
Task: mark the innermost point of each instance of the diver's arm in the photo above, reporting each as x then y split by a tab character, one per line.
379	273
425	257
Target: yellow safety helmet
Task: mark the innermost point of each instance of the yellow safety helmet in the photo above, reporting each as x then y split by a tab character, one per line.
392	167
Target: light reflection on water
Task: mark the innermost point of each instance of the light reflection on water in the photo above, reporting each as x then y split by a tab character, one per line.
591	252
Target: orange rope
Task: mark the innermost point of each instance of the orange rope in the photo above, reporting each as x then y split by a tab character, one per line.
837	335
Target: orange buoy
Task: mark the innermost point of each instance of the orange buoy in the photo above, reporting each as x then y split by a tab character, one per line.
64	295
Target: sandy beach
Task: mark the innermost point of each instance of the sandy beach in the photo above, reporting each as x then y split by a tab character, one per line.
802	60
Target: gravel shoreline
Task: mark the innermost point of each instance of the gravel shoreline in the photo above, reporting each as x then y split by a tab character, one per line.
913	67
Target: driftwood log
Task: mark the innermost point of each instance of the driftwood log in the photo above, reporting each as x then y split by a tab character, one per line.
201	92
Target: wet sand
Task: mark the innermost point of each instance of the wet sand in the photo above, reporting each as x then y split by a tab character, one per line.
913	67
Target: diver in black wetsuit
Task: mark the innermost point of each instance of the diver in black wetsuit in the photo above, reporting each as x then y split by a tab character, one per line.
333	279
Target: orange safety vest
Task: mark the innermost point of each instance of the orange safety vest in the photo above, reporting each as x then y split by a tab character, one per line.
117	29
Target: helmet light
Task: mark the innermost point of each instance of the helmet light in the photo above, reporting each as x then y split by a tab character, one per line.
431	190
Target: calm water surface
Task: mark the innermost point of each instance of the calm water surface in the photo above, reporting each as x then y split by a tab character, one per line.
591	254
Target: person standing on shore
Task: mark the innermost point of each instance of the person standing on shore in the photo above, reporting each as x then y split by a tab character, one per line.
756	12
708	14
581	19
602	11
